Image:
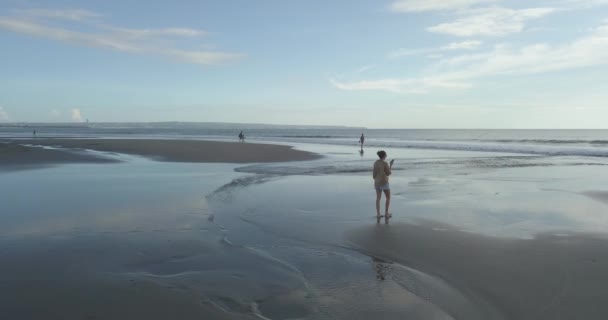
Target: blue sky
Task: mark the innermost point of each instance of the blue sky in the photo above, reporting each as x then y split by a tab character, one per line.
392	64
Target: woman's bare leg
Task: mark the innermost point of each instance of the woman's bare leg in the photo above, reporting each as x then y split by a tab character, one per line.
378	196
387	193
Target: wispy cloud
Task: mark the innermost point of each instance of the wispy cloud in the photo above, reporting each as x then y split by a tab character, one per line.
33	22
433	5
201	57
480	17
65	14
585	3
463	45
3	115
396	85
537	58
148	33
461	71
364	68
494	21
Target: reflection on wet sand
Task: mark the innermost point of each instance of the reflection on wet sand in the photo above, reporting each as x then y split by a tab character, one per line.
185	275
382	268
547	277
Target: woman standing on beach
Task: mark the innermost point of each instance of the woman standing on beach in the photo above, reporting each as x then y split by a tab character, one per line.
381	172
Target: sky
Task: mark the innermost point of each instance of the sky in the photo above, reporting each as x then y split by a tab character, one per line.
376	63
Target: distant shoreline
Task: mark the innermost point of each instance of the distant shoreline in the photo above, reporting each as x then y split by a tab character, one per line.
173	124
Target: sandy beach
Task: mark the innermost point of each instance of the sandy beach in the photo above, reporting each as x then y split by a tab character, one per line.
193	230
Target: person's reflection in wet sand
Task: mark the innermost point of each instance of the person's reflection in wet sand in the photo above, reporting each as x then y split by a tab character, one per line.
361	152
383	268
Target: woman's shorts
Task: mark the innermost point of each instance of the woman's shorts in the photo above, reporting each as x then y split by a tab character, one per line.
383	188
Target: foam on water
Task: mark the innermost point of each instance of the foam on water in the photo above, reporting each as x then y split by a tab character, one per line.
339	166
520	148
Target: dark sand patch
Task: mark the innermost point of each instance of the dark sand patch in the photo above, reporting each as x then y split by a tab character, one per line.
552	276
601	196
184	150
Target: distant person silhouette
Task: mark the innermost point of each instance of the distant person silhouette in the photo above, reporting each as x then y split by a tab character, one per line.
241	137
361	141
34	133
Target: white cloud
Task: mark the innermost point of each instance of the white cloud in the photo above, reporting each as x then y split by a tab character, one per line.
461	71
464	45
61	34
3	115
146	41
493	21
408	86
76	115
537	58
433	5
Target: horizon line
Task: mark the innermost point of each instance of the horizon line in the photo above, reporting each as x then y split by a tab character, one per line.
283	125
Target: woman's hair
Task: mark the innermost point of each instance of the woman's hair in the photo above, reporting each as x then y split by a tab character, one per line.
381	154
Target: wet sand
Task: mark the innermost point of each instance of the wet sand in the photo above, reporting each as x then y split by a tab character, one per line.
166	150
144	275
552	276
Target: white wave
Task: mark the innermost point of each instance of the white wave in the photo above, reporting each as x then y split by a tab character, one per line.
517	148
